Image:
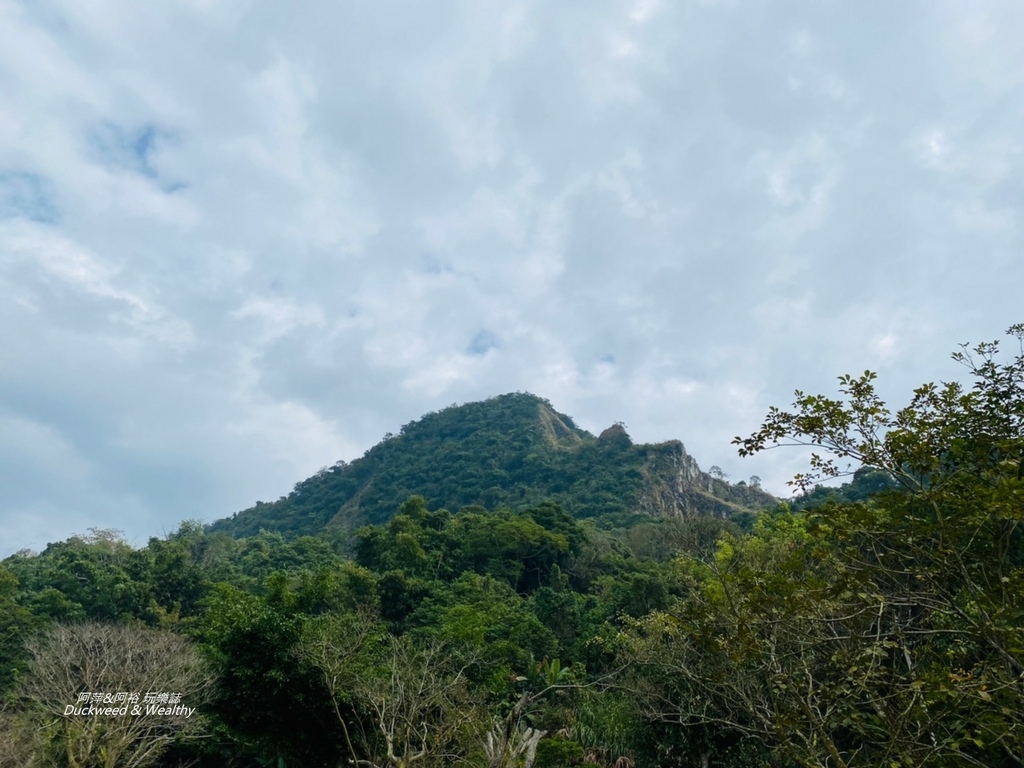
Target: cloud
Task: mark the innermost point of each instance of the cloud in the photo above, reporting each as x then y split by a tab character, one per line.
26	195
239	242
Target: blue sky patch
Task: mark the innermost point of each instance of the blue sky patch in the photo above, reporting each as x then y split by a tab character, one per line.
26	195
128	148
482	343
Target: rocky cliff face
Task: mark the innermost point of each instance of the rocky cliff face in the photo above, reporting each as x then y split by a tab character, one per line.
675	486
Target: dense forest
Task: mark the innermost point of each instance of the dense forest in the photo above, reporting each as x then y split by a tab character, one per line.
879	622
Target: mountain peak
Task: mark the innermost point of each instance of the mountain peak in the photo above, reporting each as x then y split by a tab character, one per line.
616	433
510	451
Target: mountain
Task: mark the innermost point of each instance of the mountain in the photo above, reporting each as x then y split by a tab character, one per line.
508	451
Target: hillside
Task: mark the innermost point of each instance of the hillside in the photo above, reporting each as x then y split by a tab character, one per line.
508	451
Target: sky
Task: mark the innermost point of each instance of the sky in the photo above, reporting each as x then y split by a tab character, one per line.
242	240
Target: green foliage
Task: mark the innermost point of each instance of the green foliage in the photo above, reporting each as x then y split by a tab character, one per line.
512	451
487	615
561	611
558	752
945	434
865	483
662	540
98	577
266	698
520	596
881	631
510	546
15	624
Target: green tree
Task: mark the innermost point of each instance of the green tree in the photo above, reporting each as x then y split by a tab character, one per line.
945	554
96	576
15	623
888	631
268	701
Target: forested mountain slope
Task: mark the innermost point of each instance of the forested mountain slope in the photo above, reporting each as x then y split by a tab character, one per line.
509	451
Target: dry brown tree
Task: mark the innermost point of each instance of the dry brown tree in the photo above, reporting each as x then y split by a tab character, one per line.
414	700
69	660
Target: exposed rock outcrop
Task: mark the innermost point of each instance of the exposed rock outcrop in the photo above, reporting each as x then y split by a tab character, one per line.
675	486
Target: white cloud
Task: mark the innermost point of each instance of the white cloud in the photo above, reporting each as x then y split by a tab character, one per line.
280	317
239	242
801	179
60	258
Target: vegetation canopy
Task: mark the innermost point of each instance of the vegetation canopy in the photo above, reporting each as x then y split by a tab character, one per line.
882	632
880	623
